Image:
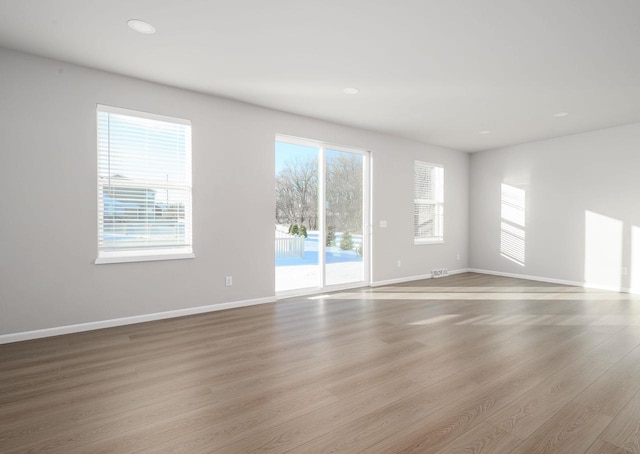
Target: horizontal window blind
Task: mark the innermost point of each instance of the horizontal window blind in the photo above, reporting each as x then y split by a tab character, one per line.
428	193
144	183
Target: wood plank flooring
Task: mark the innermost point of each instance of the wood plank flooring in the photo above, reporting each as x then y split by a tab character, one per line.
464	364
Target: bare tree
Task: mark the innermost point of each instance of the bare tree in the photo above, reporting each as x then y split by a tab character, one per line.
297	192
344	192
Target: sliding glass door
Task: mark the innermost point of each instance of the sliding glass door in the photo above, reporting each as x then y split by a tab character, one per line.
297	223
344	217
321	216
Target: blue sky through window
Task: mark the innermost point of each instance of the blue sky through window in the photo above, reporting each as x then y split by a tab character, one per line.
285	152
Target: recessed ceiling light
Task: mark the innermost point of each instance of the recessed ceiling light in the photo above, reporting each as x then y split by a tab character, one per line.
485	132
560	114
141	26
350	91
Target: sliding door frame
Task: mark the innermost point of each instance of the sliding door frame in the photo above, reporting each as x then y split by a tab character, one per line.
322	197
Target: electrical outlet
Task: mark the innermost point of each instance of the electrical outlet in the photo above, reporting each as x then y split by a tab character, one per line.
458	257
398	263
228	281
624	271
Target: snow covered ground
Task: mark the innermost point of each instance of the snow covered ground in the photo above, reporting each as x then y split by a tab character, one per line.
342	266
306	276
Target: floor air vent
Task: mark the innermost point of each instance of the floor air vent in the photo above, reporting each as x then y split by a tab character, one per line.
439	273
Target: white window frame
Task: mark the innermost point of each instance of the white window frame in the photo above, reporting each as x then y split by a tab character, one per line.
151	253
437	202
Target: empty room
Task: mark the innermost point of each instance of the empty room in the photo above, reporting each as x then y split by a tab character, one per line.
309	227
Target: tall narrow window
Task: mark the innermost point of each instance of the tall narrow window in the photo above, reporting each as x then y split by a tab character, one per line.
428	194
144	186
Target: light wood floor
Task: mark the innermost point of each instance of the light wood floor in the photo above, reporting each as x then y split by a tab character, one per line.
468	363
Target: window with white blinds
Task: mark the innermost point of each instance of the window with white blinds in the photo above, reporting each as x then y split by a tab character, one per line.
144	186
428	194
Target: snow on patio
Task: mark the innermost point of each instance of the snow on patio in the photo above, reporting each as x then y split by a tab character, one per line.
341	266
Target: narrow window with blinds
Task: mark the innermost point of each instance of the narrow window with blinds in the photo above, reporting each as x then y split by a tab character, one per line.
428	194
144	186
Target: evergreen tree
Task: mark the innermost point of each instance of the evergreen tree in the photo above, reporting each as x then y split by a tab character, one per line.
346	243
331	236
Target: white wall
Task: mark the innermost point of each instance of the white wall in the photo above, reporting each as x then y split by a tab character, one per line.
582	206
48	204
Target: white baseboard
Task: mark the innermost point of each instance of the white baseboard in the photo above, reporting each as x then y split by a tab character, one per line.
412	278
554	281
400	280
460	271
68	329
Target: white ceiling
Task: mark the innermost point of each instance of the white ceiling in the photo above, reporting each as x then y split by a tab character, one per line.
437	71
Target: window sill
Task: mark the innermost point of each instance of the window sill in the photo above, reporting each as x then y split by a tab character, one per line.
428	241
138	256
